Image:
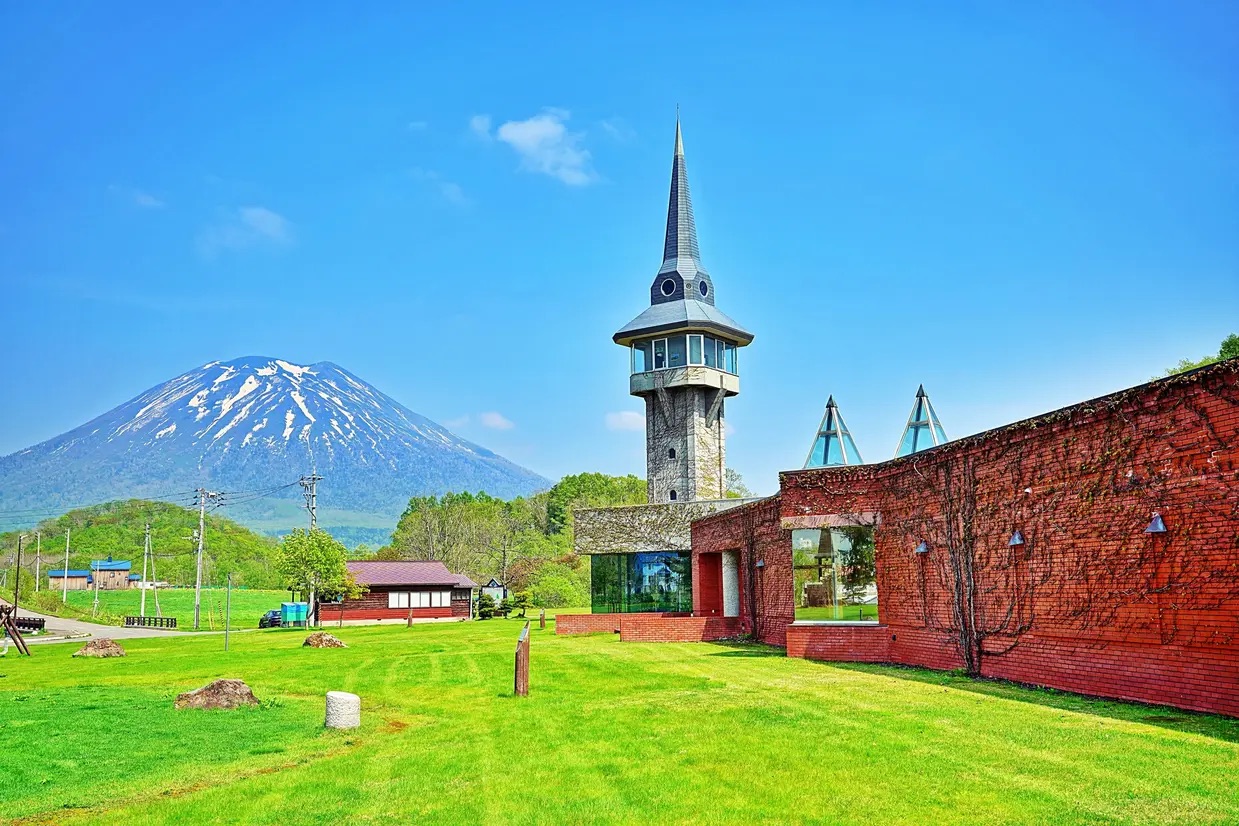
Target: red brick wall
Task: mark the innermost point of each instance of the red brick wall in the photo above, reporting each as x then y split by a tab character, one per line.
842	643
753	530
587	623
663	628
1090	603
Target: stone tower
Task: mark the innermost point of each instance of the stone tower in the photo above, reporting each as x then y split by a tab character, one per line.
684	361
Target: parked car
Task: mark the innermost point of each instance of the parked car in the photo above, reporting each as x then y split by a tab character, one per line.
271	619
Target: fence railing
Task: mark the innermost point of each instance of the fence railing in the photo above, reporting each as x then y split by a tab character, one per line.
150	622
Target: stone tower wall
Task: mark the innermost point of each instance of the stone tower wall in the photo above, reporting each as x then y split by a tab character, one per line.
684	419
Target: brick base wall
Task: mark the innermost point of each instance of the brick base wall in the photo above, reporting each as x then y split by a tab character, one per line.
663	628
839	643
587	623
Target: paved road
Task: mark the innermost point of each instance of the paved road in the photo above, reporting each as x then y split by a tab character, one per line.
60	627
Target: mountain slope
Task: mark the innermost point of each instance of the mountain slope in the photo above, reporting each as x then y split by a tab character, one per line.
253	424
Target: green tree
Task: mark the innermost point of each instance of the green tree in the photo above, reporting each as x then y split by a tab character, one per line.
734	482
315	563
1228	350
486	607
590	490
520	602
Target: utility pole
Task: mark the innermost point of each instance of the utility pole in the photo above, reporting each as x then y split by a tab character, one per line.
203	496
309	485
17	578
38	559
64	580
227	610
146	554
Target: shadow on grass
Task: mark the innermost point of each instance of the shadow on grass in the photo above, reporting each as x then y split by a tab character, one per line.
1168	717
746	649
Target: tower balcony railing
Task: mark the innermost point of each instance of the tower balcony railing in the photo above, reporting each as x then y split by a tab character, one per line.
649	381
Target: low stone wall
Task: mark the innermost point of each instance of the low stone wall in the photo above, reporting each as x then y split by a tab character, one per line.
839	642
587	623
671	628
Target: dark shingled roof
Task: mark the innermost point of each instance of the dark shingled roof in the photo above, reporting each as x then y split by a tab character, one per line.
688	301
407	573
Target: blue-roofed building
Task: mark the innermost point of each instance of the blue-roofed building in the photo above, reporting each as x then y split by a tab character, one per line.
72	579
111	574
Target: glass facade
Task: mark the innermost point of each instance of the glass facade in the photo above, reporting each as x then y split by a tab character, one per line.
660	581
681	350
834	575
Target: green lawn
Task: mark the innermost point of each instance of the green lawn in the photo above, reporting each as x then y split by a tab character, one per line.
611	733
849	613
247	606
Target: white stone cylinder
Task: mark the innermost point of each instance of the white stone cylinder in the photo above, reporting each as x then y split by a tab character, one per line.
731	584
343	710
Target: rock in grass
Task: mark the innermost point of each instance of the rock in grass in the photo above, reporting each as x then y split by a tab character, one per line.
102	647
321	639
219	694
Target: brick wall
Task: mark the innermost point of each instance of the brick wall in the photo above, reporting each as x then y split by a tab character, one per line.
587	623
765	565
665	628
1090	603
868	643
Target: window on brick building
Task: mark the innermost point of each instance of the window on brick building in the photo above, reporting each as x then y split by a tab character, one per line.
834	575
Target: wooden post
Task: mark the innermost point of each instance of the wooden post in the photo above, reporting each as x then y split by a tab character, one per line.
542	619
522	663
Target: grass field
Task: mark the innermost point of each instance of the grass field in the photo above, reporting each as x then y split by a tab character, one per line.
611	733
849	613
247	606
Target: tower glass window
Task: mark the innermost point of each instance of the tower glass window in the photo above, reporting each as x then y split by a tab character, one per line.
642	357
676	352
668	287
695	355
660	354
705	289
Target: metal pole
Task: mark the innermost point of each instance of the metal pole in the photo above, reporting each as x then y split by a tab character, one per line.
64	594
227	610
146	555
17	578
38	559
202	497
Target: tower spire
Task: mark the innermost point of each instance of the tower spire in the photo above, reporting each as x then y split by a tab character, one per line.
681	239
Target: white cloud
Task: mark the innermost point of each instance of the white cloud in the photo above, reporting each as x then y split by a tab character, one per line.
451	191
618	129
139	197
495	421
545	145
480	126
248	226
625	420
457	423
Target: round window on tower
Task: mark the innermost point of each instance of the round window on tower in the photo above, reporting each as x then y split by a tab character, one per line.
705	289
668	286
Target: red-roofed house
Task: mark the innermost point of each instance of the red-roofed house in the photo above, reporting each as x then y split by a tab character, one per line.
428	590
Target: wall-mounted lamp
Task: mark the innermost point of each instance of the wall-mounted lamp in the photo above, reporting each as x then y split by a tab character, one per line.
922	548
761	563
1017	538
1157	525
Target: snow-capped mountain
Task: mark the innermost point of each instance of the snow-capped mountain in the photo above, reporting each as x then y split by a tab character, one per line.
253	424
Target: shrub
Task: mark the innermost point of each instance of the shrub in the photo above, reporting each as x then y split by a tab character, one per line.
486	606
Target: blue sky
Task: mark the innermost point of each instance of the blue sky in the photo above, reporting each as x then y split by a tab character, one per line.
1020	205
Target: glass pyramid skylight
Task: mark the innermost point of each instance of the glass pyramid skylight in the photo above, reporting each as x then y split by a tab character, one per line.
924	430
833	444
